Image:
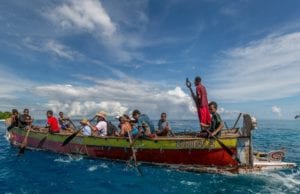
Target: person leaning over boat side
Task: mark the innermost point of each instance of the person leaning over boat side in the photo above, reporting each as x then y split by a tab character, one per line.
216	121
163	125
203	112
14	119
101	126
145	126
25	120
86	130
52	123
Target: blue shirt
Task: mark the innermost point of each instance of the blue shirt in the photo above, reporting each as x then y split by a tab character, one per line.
145	119
86	131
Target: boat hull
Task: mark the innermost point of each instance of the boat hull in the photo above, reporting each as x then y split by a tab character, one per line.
168	151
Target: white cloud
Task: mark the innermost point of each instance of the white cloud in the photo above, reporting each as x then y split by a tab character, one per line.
262	70
117	97
60	50
277	110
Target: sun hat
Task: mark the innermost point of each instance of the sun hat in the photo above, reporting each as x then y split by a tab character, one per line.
101	114
84	121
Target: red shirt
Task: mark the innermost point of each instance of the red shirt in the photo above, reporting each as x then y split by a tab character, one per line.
202	95
53	123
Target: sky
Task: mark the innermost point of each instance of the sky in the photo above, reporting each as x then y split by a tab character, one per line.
82	57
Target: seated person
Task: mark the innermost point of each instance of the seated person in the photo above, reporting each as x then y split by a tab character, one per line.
124	126
101	127
163	125
13	121
86	130
216	125
52	123
64	122
25	119
145	126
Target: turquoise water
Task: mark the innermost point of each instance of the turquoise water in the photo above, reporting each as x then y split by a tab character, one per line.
45	172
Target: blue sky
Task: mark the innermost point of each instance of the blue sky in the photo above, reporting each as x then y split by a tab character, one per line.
81	57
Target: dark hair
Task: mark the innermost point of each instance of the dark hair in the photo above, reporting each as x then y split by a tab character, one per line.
163	113
198	79
14	111
60	113
26	110
50	112
214	104
136	112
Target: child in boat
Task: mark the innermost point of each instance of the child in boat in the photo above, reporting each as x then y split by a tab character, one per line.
124	125
216	124
86	130
52	123
164	128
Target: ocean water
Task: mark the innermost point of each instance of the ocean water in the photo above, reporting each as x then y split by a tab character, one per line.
46	172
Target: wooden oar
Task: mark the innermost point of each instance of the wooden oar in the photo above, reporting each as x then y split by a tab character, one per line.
189	85
24	143
236	121
68	139
134	155
41	143
229	151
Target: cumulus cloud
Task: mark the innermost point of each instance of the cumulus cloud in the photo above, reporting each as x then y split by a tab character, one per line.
91	16
262	70
277	110
117	97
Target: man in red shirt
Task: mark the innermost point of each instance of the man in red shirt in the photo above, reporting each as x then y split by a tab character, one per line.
52	122
202	107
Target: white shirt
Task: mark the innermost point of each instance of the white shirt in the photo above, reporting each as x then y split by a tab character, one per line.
86	131
102	128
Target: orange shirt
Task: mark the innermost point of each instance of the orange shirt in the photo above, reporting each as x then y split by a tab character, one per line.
125	127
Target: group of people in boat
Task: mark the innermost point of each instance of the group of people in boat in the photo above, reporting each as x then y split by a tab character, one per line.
138	124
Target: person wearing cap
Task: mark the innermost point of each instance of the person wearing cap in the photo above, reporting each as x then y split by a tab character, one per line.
86	130
101	126
13	121
202	109
145	126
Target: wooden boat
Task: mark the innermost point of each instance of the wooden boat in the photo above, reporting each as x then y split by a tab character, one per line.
184	151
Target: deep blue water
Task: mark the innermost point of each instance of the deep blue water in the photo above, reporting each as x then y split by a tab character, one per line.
45	172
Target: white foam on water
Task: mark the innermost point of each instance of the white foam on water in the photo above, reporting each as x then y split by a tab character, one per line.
69	159
290	181
189	183
95	167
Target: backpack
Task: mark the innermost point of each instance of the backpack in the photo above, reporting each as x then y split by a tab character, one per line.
111	128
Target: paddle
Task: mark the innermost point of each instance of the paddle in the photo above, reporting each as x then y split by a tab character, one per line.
68	139
133	154
229	151
236	121
24	143
189	85
41	143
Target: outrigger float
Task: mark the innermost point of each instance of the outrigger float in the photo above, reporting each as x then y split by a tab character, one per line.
184	151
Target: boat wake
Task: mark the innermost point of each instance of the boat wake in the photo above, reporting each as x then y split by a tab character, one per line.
282	181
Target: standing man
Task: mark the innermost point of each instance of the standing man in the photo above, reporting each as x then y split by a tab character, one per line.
202	104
